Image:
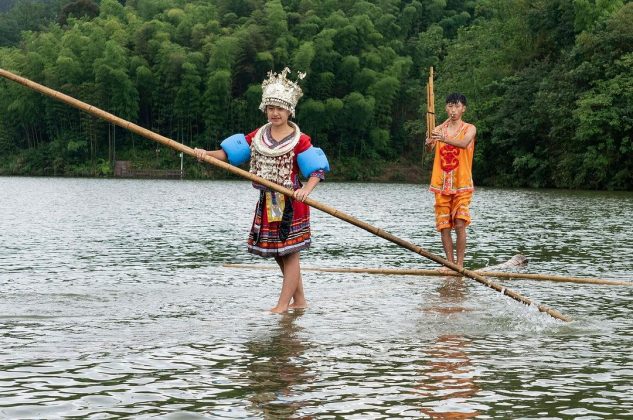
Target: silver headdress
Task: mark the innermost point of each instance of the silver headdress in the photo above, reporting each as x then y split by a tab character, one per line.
279	91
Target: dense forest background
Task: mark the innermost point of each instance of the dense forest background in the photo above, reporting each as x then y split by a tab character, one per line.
549	83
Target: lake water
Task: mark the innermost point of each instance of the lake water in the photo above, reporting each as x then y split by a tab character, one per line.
115	303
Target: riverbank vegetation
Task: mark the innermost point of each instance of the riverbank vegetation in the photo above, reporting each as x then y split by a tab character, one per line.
549	83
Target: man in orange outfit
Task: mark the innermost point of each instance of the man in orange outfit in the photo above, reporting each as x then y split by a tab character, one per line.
452	179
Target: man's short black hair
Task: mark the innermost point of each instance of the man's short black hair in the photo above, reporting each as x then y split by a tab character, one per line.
456	97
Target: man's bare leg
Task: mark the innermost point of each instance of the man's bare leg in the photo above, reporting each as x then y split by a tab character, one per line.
447	244
460	242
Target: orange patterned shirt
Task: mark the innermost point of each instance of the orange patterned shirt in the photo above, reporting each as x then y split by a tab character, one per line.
452	167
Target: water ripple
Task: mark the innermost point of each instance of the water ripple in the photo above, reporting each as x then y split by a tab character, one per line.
115	304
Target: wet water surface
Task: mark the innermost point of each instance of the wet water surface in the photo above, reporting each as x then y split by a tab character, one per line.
115	303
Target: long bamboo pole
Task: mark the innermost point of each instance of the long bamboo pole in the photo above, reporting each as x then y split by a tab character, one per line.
245	174
420	272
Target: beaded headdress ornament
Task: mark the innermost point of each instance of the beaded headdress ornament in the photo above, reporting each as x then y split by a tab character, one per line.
277	90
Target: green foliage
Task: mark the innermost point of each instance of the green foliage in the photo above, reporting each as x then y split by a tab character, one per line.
81	9
589	12
548	81
25	15
552	109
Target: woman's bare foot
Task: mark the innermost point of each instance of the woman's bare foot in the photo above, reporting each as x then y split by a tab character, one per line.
279	309
298	305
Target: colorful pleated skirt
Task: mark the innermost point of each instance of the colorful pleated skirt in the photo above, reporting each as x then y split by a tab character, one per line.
281	226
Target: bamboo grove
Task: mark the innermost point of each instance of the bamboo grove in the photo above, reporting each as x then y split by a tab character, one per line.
549	82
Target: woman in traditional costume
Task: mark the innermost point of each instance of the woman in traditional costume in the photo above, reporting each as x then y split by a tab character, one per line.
278	151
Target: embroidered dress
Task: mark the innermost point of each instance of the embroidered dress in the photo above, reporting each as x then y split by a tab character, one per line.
452	181
281	225
452	167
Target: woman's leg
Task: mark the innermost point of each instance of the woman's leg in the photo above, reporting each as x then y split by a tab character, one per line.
298	298
292	288
280	263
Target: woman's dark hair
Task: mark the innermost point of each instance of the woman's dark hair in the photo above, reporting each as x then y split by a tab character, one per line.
456	97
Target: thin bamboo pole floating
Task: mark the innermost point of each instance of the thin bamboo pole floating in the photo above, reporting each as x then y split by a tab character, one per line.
562	279
420	272
245	174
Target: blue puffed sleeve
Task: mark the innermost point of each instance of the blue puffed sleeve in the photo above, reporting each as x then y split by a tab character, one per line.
311	160
236	148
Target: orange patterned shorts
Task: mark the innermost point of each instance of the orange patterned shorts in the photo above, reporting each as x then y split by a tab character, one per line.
451	207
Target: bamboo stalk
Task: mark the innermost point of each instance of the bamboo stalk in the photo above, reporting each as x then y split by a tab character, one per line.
428	108
430	105
432	97
420	272
245	174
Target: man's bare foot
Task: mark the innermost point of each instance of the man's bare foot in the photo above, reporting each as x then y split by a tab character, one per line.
300	305
446	270
279	310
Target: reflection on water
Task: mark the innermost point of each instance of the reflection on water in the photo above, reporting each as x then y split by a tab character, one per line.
447	381
115	303
278	367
